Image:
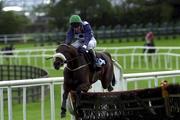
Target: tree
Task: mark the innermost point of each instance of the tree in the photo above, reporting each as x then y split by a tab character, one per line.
153	10
1	6
12	23
98	12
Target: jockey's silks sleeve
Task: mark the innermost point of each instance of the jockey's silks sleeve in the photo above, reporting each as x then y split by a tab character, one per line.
88	34
69	36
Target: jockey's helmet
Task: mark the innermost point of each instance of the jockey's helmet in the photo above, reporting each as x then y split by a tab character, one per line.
75	20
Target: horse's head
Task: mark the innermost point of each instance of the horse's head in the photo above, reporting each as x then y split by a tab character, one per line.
63	53
59	61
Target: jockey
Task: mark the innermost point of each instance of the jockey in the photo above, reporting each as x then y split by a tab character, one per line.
82	33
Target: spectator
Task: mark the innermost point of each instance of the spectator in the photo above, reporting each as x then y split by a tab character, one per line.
149	43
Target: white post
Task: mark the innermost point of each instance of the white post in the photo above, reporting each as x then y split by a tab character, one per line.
146	60
10	114
149	83
5	39
132	58
177	62
42	102
1	104
135	85
52	101
24	103
156	81
159	61
165	61
139	61
124	61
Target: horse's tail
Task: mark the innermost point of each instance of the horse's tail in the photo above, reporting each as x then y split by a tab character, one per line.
113	80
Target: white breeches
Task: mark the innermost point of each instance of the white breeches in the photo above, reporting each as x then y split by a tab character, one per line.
91	45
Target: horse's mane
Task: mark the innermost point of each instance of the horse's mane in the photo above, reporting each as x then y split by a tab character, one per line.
68	46
65	45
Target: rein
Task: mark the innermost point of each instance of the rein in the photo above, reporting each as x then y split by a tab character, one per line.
77	67
81	66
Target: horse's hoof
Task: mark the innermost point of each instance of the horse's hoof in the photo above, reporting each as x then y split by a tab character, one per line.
110	88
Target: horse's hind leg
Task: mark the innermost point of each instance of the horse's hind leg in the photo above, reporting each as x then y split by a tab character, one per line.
106	85
108	81
110	88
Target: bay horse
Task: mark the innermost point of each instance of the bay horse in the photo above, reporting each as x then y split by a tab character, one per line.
78	75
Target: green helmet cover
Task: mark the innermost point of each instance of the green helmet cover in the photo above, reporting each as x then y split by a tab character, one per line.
75	19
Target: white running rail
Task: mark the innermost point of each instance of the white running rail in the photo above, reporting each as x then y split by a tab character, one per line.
131	57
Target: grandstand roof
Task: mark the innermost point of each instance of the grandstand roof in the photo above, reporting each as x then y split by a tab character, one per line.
25	5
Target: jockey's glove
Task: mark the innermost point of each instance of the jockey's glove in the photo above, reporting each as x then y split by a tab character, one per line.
82	49
84	46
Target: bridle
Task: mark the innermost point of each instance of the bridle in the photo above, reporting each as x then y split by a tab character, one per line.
65	60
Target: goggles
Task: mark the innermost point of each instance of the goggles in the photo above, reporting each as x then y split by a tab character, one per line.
75	25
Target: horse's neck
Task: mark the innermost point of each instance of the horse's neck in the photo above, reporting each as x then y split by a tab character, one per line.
76	61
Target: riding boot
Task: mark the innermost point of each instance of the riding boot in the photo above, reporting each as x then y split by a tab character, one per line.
93	59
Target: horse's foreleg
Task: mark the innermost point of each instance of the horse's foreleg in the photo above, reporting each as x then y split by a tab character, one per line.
78	96
83	87
63	107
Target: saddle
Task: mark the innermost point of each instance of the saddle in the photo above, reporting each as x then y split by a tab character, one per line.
96	62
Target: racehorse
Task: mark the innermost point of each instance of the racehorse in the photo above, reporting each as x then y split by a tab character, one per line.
78	75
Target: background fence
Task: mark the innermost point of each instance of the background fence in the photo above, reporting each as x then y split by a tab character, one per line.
134	32
130	58
19	72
